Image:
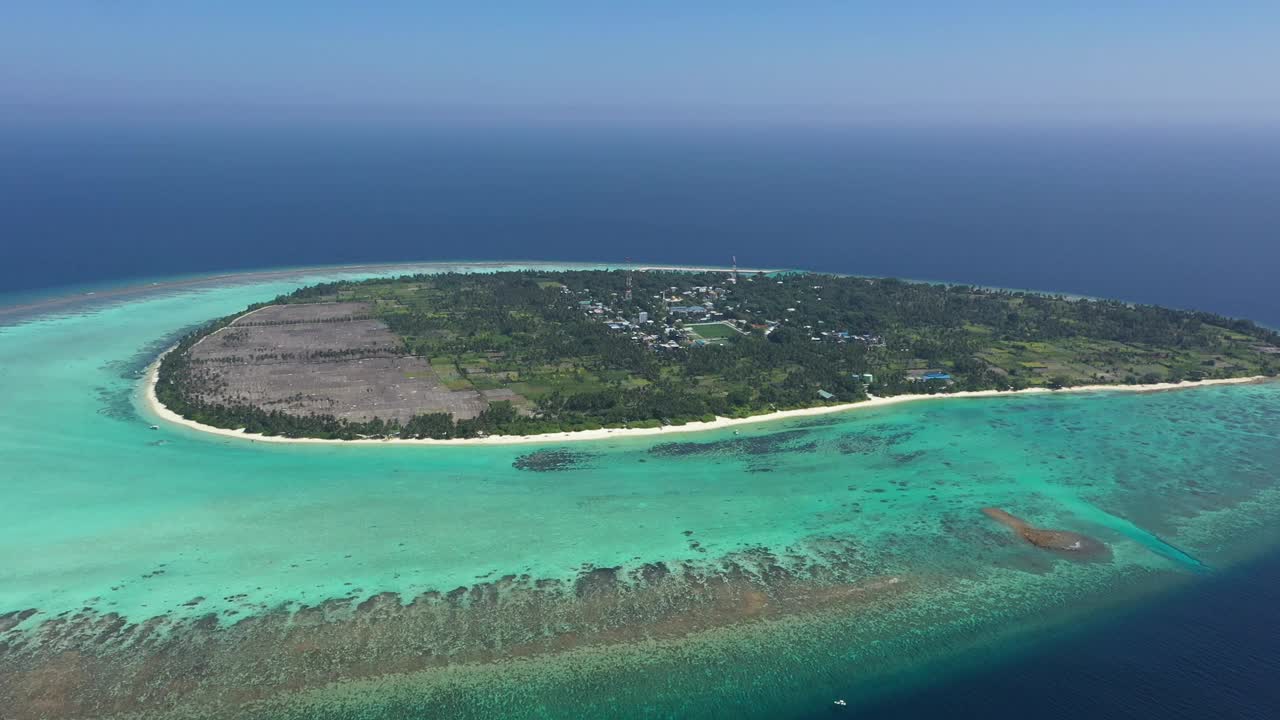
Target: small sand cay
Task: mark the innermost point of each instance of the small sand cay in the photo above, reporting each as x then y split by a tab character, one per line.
1064	542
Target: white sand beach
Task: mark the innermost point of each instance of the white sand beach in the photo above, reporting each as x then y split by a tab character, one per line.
155	406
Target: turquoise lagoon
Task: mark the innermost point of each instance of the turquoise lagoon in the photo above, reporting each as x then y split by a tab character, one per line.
756	573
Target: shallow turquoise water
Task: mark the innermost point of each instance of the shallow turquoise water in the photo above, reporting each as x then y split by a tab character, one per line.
100	512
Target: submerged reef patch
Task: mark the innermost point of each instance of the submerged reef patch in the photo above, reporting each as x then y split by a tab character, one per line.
554	460
94	664
778	442
116	403
872	440
1064	542
13	619
818	422
133	366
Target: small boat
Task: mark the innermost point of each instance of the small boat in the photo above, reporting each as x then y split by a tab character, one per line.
841	702
155	427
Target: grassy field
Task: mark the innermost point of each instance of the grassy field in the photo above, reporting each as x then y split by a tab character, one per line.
712	331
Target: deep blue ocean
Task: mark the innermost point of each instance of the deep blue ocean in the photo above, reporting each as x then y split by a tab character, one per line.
1190	219
1209	651
1179	218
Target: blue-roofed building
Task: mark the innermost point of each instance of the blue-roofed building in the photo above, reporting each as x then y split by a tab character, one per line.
927	375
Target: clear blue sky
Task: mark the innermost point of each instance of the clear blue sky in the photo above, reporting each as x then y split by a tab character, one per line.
656	62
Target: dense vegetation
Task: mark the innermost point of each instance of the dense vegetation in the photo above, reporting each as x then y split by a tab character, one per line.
785	341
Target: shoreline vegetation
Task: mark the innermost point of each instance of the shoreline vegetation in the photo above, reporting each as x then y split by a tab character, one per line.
546	355
160	410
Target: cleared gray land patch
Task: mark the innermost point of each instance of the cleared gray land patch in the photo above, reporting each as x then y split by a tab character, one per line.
327	358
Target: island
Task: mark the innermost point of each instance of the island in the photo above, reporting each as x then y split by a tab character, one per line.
520	353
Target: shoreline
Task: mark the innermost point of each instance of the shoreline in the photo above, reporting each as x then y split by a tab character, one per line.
158	409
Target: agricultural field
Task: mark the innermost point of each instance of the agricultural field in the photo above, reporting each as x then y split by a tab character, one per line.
331	359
